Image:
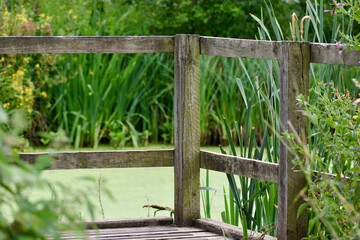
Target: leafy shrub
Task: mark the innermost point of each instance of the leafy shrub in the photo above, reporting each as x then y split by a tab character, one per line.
25	78
334	147
23	215
210	18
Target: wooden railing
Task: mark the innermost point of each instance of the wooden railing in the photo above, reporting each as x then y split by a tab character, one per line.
187	159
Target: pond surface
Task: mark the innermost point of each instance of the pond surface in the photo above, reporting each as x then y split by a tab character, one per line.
132	188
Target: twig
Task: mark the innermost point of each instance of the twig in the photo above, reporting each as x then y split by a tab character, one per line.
101	205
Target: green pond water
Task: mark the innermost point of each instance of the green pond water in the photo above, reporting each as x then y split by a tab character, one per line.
132	188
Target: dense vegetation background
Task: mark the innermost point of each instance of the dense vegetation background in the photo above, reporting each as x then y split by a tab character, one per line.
86	100
90	99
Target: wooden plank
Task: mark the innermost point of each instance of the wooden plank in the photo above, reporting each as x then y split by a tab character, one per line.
59	44
198	236
232	47
125	230
294	79
154	232
229	230
142	230
105	159
187	129
129	222
329	54
140	233
245	167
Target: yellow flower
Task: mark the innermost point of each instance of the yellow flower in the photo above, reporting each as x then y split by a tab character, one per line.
27	59
5	35
47	18
29	110
71	11
42	15
4	105
37	65
21	104
8	104
26	90
91	73
75	17
24	19
44	94
3	59
22	6
26	99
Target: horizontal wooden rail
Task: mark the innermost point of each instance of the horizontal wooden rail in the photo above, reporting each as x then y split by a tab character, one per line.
129	222
231	231
260	49
106	159
225	47
251	168
329	54
232	47
139	44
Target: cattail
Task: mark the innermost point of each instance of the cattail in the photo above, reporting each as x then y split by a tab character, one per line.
293	18
302	26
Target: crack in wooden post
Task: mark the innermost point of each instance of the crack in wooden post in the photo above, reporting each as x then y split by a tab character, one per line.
187	129
294	80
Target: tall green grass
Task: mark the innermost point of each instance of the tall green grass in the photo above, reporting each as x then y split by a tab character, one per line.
113	96
261	92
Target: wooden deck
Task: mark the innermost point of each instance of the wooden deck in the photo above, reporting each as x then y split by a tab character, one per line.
156	232
160	228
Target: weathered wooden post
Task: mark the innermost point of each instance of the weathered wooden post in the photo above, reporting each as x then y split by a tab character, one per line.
294	79
187	129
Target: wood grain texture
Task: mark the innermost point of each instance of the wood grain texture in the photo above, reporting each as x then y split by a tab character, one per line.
138	44
187	129
232	47
294	79
229	230
245	167
329	54
129	222
106	159
153	232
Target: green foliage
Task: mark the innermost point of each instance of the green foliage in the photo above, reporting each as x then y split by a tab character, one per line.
23	78
209	18
23	215
86	96
254	202
350	9
334	147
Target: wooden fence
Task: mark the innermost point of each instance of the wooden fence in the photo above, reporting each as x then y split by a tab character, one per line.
187	158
